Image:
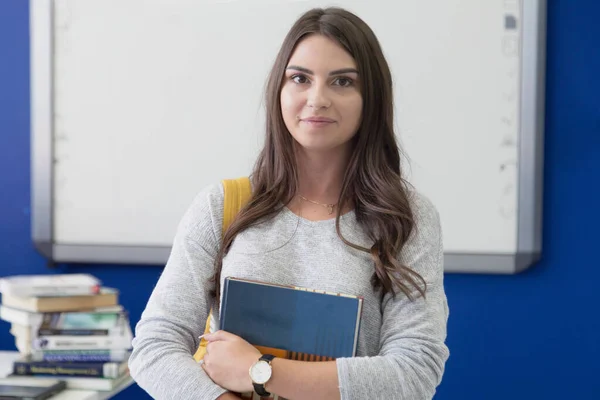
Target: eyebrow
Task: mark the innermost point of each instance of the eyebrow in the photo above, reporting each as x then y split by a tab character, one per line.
336	72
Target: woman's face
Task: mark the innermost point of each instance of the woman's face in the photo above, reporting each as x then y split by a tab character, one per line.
321	102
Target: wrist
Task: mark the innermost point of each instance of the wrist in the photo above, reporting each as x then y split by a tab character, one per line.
261	373
269	383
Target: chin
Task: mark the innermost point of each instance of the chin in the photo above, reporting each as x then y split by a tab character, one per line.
319	145
320	141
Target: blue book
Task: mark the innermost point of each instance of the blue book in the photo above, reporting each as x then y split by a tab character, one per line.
291	322
112	370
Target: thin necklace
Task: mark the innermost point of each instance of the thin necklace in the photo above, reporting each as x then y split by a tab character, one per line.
328	206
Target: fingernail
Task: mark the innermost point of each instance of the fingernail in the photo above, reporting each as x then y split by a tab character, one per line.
201	336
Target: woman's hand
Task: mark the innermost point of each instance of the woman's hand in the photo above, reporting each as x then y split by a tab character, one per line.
228	360
228	396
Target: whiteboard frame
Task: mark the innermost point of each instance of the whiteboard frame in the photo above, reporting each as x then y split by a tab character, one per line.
530	172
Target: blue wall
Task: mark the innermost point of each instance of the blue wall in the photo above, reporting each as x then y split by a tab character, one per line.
531	336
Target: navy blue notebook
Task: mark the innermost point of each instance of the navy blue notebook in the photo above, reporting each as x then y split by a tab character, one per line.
291	322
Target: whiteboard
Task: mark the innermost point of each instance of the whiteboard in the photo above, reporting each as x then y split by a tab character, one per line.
139	104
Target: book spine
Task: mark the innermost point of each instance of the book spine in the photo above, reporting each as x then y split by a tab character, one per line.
91	383
44	291
358	322
72	332
80	355
81	343
97	370
223	304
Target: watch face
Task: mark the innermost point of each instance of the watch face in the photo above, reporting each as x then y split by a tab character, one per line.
260	372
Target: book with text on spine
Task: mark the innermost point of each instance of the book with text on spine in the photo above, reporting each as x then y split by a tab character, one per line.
27	366
80	355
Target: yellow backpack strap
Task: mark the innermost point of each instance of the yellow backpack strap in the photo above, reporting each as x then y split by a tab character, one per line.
237	194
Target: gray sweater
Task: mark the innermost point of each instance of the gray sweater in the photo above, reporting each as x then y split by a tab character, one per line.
401	352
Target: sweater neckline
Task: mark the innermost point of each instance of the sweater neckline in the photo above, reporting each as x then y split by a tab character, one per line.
293	217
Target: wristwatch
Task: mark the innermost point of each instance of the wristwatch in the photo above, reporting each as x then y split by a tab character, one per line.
260	373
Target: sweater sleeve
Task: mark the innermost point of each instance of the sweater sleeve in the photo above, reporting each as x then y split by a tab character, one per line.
412	352
166	337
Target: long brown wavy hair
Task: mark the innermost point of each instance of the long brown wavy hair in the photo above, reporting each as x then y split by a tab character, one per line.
373	181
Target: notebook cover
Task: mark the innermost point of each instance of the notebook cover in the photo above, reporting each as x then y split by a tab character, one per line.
291	322
35	390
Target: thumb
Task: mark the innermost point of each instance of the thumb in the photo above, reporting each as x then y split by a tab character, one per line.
219	336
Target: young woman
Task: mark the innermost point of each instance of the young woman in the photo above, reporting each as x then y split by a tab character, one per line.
330	210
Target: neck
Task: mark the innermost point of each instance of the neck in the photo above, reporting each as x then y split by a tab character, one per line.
320	175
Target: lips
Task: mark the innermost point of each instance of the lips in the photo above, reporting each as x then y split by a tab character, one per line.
318	120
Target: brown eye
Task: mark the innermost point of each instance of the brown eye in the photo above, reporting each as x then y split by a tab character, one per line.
300	79
343	82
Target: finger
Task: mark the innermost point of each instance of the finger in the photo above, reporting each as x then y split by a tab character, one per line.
220	335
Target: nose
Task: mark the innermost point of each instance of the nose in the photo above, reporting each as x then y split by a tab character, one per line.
318	97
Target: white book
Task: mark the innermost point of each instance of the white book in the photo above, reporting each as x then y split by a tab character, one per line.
75	382
26	318
64	342
121	341
21	331
25	328
106	298
102	384
23	345
100	355
50	285
20	317
78	395
23	338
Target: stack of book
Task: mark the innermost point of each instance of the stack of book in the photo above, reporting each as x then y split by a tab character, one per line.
69	327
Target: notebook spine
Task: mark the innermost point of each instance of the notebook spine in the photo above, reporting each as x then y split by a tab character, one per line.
222	313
